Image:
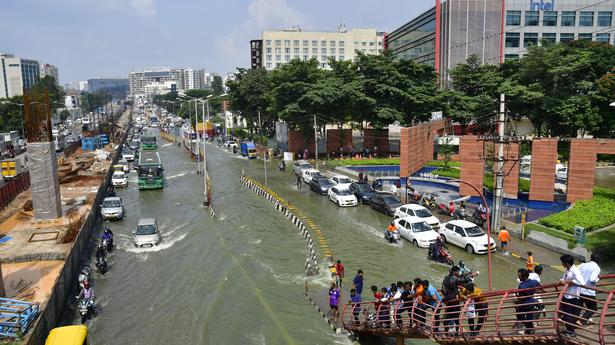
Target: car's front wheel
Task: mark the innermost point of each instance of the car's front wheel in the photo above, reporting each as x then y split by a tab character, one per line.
470	249
416	244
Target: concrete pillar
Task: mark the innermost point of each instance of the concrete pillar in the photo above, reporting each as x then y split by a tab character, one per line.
581	169
544	158
44	180
472	164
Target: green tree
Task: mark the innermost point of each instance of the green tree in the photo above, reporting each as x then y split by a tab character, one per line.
446	150
248	95
64	114
217	85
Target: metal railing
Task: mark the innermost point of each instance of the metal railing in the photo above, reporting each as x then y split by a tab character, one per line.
498	316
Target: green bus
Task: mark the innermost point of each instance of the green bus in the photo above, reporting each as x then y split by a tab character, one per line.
148	142
150	170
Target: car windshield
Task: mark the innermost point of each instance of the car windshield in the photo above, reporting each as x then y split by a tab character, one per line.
111	203
420	227
149	140
324	182
148	229
390	200
363	187
149	171
422	213
344	180
305	166
474	231
344	192
118	175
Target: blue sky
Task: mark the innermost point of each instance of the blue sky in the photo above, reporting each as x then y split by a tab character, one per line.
94	38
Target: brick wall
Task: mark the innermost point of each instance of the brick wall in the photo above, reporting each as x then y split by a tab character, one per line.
472	164
544	158
581	169
376	137
296	142
334	142
404	152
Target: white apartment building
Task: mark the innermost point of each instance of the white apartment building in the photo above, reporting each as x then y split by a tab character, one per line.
278	47
160	88
17	75
139	79
50	70
194	78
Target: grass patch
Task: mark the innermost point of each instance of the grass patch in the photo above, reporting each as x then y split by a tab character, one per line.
440	164
524	185
589	214
555	233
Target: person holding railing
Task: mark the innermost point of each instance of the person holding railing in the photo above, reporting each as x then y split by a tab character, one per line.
476	310
526	303
406	299
355	302
569	306
432	298
591	273
450	291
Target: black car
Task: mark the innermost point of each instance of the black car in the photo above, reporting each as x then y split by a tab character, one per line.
320	185
385	203
363	191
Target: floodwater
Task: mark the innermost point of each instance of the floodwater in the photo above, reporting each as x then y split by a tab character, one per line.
239	278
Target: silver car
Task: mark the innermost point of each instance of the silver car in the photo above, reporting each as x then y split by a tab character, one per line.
147	233
112	208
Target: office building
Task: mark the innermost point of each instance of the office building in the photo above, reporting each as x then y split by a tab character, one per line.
194	79
448	33
51	71
138	79
117	87
17	74
275	48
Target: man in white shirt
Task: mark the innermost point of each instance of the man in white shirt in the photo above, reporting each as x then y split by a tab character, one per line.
591	273
570	303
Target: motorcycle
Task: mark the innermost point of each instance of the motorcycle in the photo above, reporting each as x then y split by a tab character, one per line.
282	166
84	276
428	202
86	309
480	219
459	213
444	257
392	236
443	209
107	244
101	264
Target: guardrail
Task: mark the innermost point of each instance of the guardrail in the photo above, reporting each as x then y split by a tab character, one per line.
12	188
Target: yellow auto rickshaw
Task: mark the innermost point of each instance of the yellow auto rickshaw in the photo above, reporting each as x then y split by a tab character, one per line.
68	335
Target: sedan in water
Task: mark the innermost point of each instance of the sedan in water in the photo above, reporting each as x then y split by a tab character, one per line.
416	230
386	203
320	185
363	191
119	179
112	208
147	233
342	197
341	181
414	210
466	235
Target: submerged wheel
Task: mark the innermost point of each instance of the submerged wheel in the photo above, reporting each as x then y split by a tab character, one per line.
443	238
416	244
470	249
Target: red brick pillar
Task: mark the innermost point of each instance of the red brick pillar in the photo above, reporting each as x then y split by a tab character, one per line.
511	171
472	164
415	142
381	139
544	158
368	138
581	169
404	152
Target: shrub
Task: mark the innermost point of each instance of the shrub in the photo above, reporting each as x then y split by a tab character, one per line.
359	162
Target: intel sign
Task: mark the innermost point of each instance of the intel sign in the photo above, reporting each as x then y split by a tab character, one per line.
542	5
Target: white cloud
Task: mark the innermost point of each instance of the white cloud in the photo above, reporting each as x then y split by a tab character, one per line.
144	7
263	15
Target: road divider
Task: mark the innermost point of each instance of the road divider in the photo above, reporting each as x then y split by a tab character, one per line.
298	219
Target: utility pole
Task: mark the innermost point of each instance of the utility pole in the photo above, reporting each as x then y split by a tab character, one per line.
260	129
315	142
498	188
198	151
205	199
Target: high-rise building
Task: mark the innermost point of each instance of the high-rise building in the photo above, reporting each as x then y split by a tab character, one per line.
50	70
113	86
194	79
17	75
453	30
155	75
275	48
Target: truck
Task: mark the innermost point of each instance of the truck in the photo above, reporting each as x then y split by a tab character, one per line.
248	149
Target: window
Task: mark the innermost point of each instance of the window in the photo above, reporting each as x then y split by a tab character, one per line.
509	57
585	36
372	51
341	58
268	42
278	57
604	18
278	43
332	43
549	18
342	51
512	40
379	43
566	37
532	18
323	50
569	18
364	44
268	50
315	43
586	18
314	51
286	50
278	50
530	38
305	57
268	64
306	42
513	17
287	58
549	37
278	64
287	43
332	50
460	231
340	43
323	58
371	44
323	43
268	57
296	42
605	38
296	51
306	50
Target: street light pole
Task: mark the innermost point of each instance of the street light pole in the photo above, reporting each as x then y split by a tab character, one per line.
260	129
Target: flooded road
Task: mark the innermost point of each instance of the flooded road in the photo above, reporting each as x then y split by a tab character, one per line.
239	278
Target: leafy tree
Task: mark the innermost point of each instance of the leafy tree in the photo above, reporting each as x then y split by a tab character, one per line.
56	93
217	85
446	150
248	95
64	114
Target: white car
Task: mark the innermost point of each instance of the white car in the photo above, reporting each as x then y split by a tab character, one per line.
128	155
308	174
112	208
119	179
416	230
466	235
342	196
341	181
301	165
230	144
147	233
415	210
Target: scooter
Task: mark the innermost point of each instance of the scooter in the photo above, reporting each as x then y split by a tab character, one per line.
86	309
428	202
282	166
443	209
107	243
444	257
459	213
101	264
84	276
392	236
480	219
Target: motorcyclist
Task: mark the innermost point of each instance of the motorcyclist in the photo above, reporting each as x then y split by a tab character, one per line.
391	229
282	166
438	245
87	292
100	252
480	208
108	236
461	211
451	208
416	195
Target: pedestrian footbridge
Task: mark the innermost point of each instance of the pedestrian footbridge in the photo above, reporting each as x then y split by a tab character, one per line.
498	317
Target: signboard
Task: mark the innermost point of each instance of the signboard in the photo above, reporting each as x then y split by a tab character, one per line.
542	5
579	234
436	115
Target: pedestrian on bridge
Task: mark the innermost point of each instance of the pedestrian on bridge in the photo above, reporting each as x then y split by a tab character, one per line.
569	305
476	310
450	291
526	303
591	272
357	282
355	302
